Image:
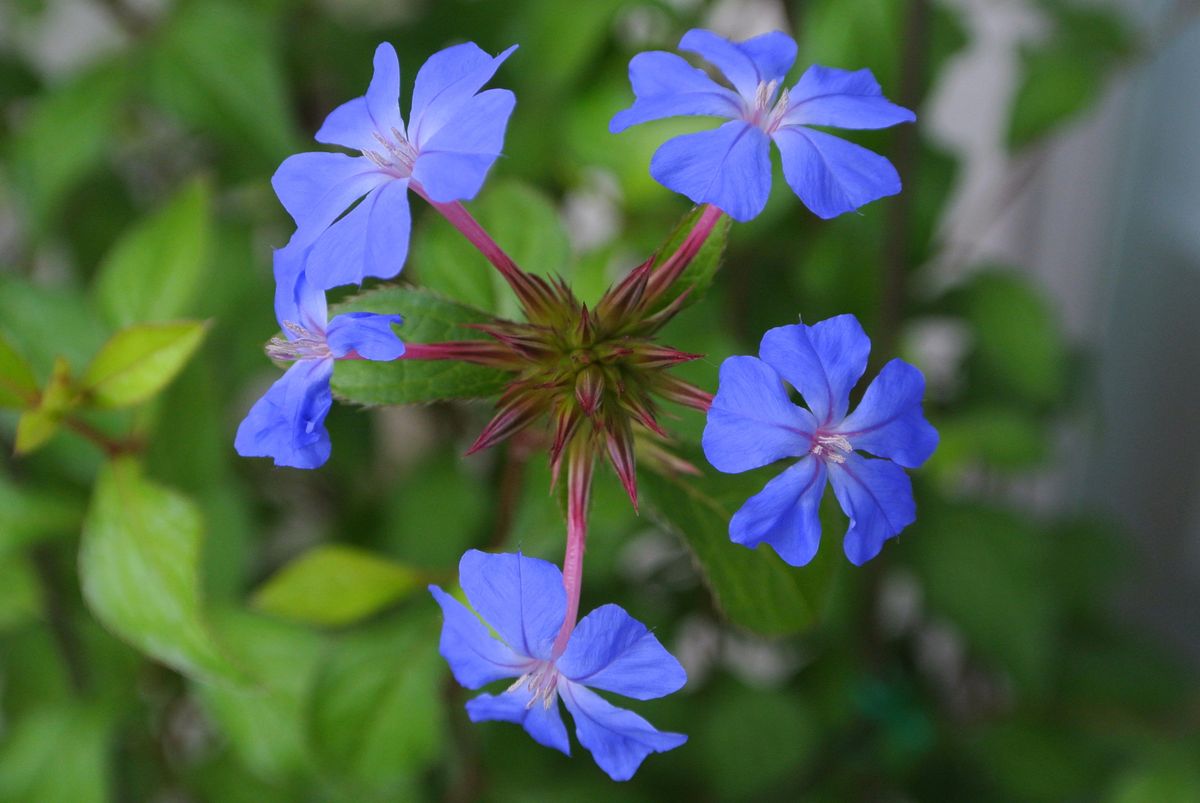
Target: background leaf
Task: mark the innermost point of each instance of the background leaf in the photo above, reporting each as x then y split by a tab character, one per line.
139	361
139	565
18	386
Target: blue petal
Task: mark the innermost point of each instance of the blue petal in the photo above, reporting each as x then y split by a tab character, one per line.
665	85
784	513
296	300
888	422
877	496
316	188
611	650
444	83
752	422
833	176
368	334
841	98
474	656
729	168
288	422
823	361
371	240
522	598
618	739
455	161
355	123
746	64
544	724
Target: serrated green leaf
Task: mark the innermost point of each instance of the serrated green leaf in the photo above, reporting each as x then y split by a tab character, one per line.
335	584
154	270
264	720
376	717
521	220
37	426
66	136
698	276
139	563
428	318
18	386
57	753
139	361
753	587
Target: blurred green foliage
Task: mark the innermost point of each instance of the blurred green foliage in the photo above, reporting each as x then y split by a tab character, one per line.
179	623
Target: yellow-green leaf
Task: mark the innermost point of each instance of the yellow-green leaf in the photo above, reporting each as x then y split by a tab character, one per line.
139	361
139	562
37	426
154	270
335	585
18	387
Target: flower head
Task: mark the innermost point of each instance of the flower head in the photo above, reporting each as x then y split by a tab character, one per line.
455	133
752	422
288	422
731	167
524	601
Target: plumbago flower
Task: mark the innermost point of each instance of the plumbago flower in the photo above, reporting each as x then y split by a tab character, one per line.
731	166
288	422
752	423
524	601
454	134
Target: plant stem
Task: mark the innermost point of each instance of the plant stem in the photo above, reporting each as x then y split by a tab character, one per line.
579	491
669	271
461	219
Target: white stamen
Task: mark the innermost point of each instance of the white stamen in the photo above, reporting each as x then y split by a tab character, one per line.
542	682
305	345
768	112
833	448
401	155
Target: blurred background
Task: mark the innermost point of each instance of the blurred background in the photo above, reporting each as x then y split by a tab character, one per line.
1033	637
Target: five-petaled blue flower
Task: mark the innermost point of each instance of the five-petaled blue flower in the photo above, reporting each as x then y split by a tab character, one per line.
454	134
752	422
524	601
288	422
731	166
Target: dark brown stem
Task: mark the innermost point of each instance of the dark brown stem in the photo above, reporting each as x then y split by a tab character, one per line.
111	446
895	261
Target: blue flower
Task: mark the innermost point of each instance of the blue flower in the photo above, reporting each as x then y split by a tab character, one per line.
454	135
524	602
731	166
752	422
288	422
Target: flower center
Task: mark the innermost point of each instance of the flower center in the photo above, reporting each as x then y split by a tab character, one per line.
542	682
305	345
768	112
398	155
831	448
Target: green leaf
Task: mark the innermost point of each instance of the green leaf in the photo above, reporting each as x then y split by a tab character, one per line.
48	322
1019	349
18	386
753	587
154	270
521	220
65	137
265	720
376	714
37	426
30	514
139	361
335	585
20	591
57	753
698	276
995	436
218	67
428	318
139	567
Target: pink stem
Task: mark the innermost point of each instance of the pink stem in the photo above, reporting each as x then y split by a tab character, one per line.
579	490
480	352
664	276
462	220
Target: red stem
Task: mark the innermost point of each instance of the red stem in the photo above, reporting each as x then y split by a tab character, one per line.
461	219
579	490
665	276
